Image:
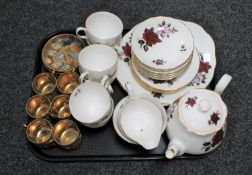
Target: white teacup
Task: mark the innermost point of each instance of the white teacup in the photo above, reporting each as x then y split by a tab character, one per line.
103	28
91	103
96	61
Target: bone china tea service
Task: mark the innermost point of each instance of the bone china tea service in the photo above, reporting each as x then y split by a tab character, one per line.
161	62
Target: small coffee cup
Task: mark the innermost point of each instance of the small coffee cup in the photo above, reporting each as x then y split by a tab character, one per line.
38	106
60	107
67	82
44	83
66	134
102	28
96	61
39	132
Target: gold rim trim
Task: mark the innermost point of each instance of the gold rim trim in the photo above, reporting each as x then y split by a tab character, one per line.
149	87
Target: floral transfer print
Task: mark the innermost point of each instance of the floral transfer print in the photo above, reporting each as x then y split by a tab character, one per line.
217	138
157	95
152	36
214	118
171	109
169	82
149	38
159	62
202	72
125	54
183	48
191	101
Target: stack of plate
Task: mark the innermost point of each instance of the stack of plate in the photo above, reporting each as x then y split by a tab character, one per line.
162	48
166	58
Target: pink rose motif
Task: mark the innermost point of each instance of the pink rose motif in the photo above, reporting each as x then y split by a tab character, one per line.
165	31
197	79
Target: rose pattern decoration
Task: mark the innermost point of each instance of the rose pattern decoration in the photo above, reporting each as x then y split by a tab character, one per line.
149	38
191	101
183	48
157	95
214	118
217	138
201	76
159	62
169	82
151	35
164	30
125	53
171	109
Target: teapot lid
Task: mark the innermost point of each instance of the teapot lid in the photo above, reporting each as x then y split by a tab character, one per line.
202	111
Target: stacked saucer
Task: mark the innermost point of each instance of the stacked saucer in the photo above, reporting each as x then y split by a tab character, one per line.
162	48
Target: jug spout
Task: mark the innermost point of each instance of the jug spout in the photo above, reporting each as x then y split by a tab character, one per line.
175	148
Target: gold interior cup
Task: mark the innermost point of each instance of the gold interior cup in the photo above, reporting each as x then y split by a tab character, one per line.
60	106
39	132
67	82
38	106
66	134
44	83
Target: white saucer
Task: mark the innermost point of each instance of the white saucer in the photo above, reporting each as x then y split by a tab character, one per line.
206	49
171	86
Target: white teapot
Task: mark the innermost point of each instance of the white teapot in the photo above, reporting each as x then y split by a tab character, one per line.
197	121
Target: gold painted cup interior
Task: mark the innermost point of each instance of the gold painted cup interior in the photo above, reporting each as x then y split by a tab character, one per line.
39	131
44	83
66	133
67	82
38	106
60	106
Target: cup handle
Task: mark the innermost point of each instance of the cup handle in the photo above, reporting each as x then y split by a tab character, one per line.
83	77
129	89
105	81
222	84
79	29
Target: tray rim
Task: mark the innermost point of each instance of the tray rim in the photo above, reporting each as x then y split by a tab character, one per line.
98	158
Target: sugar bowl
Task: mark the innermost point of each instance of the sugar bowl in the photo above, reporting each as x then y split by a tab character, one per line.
197	121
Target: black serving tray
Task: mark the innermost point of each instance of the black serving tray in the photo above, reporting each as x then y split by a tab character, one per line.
102	144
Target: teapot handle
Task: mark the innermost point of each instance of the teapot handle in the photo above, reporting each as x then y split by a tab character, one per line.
222	84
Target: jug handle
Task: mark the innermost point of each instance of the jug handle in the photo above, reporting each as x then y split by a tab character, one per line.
129	89
222	84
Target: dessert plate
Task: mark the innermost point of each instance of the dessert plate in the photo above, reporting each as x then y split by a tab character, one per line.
168	86
162	43
206	50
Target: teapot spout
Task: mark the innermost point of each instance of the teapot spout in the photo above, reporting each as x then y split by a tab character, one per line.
222	84
171	152
175	148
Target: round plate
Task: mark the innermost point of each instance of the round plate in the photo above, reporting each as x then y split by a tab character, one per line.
162	43
206	49
60	53
168	86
